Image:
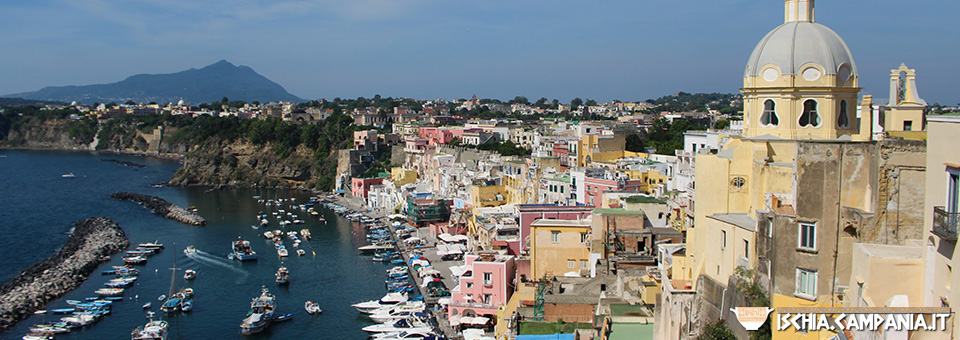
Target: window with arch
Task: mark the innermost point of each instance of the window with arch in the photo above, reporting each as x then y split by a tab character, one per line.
769	116
843	119
810	117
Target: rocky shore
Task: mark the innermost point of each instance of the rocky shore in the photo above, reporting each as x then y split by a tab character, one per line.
163	208
93	241
126	163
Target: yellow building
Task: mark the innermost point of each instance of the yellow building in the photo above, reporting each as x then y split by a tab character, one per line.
489	195
401	176
558	247
788	195
906	110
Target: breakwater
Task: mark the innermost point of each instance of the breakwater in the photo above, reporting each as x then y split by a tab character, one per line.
125	163
163	208
92	242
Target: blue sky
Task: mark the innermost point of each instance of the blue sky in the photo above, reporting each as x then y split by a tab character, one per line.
627	50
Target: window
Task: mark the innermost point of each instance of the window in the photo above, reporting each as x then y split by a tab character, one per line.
469	284
843	119
806	283
487	279
561	190
770	227
953	191
583	264
554	236
810	116
723	239
746	249
584	237
908	125
571	264
807	239
769	117
487	298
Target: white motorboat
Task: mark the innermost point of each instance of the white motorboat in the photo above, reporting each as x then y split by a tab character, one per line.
189	274
392	316
312	307
391	299
401	325
282	251
68	175
153	330
406	335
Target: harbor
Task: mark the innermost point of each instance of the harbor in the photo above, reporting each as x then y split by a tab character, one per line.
332	272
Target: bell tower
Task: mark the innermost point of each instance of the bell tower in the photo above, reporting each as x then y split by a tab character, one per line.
799	10
906	110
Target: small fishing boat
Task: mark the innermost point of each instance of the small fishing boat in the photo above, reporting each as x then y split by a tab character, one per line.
187	292
282	251
63	310
135	260
151	245
283	275
312	307
109	291
305	233
283	317
72	302
261	313
162	297
189	274
242	251
68	175
49	329
186	306
153	330
301	252
147	305
37	336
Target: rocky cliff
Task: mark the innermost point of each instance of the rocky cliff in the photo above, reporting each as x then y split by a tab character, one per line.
238	163
88	134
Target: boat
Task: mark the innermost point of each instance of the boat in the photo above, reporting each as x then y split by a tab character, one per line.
63	310
147	305
174	300
151	245
187	292
242	250
49	329
162	297
189	274
261	313
37	336
410	324
135	260
312	307
186	305
109	291
305	233
283	275
389	317
407	335
283	317
282	251
389	299
68	175
375	248
301	252
153	330
190	250
73	302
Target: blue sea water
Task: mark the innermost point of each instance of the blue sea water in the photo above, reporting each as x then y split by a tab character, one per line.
38	207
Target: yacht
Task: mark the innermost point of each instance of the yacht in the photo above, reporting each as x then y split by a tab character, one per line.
242	251
261	313
153	330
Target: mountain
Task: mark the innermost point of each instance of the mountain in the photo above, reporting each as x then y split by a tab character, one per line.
208	84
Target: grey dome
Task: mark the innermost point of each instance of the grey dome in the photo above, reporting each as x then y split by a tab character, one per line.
797	43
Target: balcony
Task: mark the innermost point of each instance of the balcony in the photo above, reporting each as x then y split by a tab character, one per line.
945	223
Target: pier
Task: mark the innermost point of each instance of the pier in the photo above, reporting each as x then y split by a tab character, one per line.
163	208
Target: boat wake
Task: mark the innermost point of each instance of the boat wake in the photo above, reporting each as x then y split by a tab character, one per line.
210	259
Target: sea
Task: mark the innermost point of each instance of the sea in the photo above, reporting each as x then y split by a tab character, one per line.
38	206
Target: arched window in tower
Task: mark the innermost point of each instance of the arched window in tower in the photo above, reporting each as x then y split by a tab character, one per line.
809	116
843	119
769	117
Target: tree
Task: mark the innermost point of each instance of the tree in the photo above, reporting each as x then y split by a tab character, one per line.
130	102
717	331
519	100
634	143
575	103
225	100
541	103
721	124
591	102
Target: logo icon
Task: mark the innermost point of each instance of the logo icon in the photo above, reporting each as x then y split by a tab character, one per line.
751	318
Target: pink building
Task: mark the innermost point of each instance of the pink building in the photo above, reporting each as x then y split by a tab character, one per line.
361	139
361	186
594	188
530	213
484	285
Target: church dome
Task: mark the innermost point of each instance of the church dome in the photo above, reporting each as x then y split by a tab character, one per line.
794	46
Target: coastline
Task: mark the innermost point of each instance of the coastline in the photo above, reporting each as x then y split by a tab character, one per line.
93	241
162	207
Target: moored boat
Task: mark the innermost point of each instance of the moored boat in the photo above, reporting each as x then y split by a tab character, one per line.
189	274
261	313
151	245
312	307
283	275
153	330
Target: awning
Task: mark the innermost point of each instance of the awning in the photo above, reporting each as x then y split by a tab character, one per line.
338	191
459	270
499	243
446	238
454	319
460	238
445	301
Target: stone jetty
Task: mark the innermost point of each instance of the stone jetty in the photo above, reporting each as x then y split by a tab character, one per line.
92	242
163	208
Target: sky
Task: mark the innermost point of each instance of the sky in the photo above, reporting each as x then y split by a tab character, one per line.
626	50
